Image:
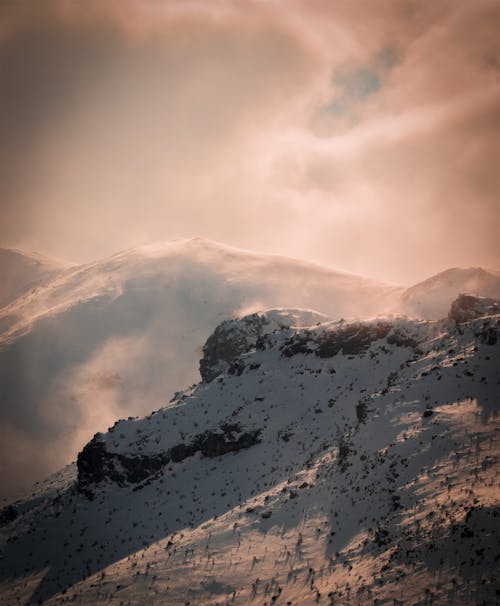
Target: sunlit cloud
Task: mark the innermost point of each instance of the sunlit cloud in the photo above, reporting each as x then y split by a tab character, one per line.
127	122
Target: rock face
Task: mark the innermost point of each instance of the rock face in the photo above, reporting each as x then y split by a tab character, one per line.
7	515
228	342
351	339
235	337
225	348
96	464
467	307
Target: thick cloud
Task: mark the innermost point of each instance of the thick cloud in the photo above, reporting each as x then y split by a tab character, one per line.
361	136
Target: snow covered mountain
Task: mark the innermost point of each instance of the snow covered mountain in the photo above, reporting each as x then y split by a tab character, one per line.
317	462
115	337
88	344
431	298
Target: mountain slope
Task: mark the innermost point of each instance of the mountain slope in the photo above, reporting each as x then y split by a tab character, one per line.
21	272
116	337
335	463
431	298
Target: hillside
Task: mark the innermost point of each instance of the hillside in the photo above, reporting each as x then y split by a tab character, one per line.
317	461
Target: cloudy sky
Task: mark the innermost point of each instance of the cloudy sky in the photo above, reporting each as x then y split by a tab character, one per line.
363	135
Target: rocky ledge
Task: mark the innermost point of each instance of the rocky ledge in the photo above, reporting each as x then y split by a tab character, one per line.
96	464
468	307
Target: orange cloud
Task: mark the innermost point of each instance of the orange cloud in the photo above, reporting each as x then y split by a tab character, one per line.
125	122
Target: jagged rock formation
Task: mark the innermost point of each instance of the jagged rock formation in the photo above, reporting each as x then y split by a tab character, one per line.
228	342
233	338
468	307
96	464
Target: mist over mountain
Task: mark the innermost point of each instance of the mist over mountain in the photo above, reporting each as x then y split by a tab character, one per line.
21	271
85	345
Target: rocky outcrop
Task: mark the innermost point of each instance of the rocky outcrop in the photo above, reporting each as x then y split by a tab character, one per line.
354	339
399	338
233	338
467	307
231	439
8	514
351	339
228	342
96	464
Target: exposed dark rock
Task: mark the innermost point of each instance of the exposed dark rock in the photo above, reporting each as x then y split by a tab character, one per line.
488	334
400	339
8	514
228	342
345	450
236	368
362	410
179	452
140	467
297	344
91	462
217	444
381	537
352	339
96	464
468	307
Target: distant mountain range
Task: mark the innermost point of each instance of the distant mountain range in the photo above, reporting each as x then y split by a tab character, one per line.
83	345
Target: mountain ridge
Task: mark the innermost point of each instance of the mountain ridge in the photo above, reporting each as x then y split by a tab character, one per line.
117	336
333	463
